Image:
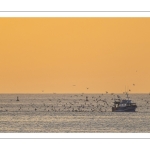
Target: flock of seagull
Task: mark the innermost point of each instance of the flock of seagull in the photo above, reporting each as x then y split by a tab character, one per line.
70	103
75	104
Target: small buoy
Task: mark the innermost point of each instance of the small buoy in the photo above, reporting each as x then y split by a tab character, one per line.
17	98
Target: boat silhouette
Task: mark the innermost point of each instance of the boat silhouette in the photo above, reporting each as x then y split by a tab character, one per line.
124	105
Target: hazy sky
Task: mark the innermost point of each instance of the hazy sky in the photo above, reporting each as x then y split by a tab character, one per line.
53	54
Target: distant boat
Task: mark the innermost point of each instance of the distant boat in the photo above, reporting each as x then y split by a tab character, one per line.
124	106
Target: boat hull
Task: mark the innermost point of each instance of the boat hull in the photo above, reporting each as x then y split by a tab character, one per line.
124	109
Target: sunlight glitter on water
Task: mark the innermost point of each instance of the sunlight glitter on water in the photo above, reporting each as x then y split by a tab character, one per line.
61	113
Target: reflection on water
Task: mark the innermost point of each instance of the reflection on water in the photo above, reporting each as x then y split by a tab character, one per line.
71	113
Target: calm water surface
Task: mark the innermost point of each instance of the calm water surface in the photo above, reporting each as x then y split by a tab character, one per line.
63	113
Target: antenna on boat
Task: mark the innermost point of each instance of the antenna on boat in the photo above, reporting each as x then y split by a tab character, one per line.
127	96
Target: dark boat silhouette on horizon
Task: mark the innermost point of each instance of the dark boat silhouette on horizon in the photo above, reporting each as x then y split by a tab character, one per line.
124	105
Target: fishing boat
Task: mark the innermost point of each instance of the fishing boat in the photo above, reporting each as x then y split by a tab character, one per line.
124	105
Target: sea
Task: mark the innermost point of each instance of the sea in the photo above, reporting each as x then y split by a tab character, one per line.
72	113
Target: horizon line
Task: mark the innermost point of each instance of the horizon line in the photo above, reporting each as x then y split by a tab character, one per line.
77	93
74	11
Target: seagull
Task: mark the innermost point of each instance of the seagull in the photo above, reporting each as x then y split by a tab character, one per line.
118	96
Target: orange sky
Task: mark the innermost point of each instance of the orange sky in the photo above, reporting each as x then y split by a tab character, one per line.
53	54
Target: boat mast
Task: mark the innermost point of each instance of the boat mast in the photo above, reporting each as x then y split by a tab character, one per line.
127	96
